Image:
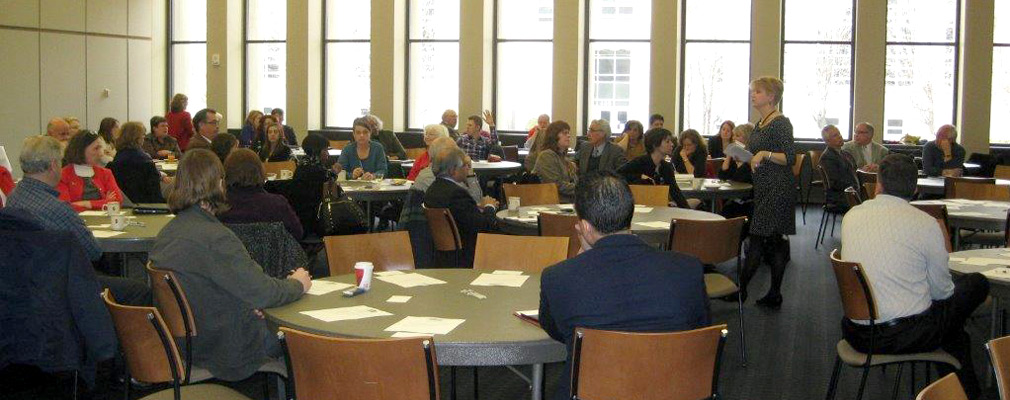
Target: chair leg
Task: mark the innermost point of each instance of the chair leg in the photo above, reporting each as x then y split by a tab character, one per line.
743	335
897	381
862	382
911	383
475	385
833	383
452	383
819	229
834	221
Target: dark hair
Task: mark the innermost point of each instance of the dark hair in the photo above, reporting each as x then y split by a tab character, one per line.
75	147
131	136
604	199
656	117
898	175
277	111
198	180
654	138
633	124
364	122
694	136
243	168
261	132
551	136
477	120
222	145
314	144
157	120
177	100
105	129
201	117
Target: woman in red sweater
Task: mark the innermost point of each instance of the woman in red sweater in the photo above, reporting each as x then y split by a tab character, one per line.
84	184
180	124
431	132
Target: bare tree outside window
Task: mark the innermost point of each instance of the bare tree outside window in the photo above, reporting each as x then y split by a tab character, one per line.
617	83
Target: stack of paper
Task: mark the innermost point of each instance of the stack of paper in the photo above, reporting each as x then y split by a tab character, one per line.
1001	273
426	325
345	313
643	210
654	224
410	280
320	287
507	280
106	234
985	261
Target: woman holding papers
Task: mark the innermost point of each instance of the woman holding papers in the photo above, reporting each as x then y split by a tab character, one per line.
774	189
225	287
652	168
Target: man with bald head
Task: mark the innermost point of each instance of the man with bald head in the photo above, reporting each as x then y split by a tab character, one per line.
427	176
839	166
943	156
449	119
59	129
542	122
864	150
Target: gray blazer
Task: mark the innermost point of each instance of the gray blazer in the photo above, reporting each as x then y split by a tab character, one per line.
553	169
877	153
611	159
224	285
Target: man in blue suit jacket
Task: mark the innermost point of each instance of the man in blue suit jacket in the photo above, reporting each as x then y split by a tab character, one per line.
618	282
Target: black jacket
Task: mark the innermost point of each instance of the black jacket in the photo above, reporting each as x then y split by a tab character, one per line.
841	171
137	176
698	160
643	165
622	284
470	219
51	314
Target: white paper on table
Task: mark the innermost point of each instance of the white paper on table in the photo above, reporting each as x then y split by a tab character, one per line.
410	280
1001	273
567	205
999	204
985	261
94	214
957	259
933	202
105	234
654	224
100	226
537	208
972	214
500	280
1004	255
429	325
506	272
409	335
643	209
523	219
320	287
535	313
388	273
345	313
398	299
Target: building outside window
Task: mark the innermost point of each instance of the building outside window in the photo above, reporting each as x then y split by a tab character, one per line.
617	80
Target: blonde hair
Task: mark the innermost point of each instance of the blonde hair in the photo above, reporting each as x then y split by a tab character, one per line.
249	119
199	181
744	130
770	85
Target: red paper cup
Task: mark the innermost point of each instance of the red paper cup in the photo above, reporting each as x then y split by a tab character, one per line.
358	274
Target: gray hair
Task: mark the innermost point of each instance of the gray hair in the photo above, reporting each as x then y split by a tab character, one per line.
38	154
826	129
446	161
435	130
603	124
375	119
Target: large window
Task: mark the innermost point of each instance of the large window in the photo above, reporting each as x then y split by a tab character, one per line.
716	63
523	62
348	61
817	65
432	60
617	82
266	54
921	69
1000	74
187	52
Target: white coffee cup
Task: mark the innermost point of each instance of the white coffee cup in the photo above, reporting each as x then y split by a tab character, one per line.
287	174
112	207
118	222
271	176
514	204
363	274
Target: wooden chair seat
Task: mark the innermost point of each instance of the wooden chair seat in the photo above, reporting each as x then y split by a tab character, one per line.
196	392
855	358
719	285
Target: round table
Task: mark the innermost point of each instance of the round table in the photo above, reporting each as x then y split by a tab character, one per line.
491	335
486	169
135	238
725	190
168	168
526	221
933	185
999	289
972	214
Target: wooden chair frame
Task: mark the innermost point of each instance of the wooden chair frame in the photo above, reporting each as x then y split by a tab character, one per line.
442	217
186	314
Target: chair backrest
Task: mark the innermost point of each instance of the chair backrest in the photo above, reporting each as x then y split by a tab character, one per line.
815	156
1002	172
981	191
852	197
560	225
669	366
171	301
870	190
387	251
946	388
533	194
952	185
414	153
511	153
276	167
798	165
824	176
150	355
499	252
324	367
651	195
999	353
712	167
854	289
866	177
339	144
713	242
443	229
939	212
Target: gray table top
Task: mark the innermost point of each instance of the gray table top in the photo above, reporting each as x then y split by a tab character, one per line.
934	184
973	214
491	335
1000	257
374	191
716	189
134	239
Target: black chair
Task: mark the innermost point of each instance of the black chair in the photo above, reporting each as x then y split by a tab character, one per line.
828	211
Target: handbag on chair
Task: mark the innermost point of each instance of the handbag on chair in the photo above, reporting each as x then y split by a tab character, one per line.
339	215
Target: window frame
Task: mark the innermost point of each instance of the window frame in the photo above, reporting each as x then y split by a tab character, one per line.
170	59
494	60
325	44
406	65
245	57
852	63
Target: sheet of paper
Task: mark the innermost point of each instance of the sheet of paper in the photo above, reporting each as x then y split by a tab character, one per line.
500	280
388	273
409	335
106	234
99	226
429	325
523	219
345	313
643	209
654	224
535	313
957	259
1002	273
537	208
737	151
506	272
94	214
962	201
410	280
986	261
398	299
320	287
971	214
1004	255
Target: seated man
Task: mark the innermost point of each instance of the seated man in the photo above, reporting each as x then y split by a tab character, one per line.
449	190
591	289
37	195
864	150
943	156
477	146
839	166
901	249
426	177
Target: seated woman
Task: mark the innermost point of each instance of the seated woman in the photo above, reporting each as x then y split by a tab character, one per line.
222	145
305	189
690	157
652	168
363	158
738	170
274	149
83	183
394	149
717	143
551	164
108	131
247	201
249	129
631	140
159	145
431	132
225	287
134	169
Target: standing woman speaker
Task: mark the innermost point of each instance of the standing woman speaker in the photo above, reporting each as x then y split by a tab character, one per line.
774	189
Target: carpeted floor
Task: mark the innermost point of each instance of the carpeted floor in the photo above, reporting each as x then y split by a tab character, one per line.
790	351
